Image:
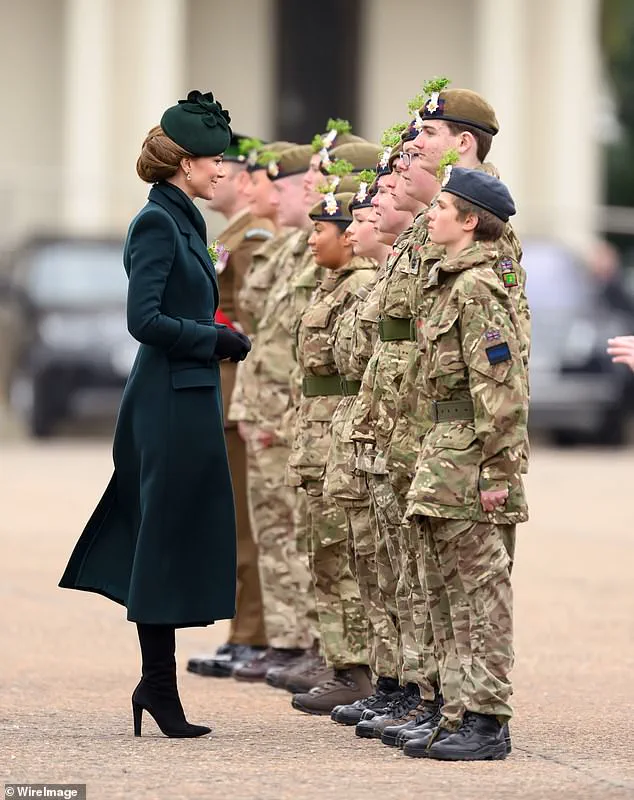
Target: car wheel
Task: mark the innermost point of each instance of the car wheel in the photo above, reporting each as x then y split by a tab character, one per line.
614	429
42	422
28	402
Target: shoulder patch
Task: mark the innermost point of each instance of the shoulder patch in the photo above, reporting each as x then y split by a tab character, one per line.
498	353
259	234
509	276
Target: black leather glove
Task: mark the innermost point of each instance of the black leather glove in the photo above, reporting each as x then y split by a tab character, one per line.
232	345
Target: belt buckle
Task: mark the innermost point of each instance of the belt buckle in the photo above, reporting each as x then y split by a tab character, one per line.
434	413
342	384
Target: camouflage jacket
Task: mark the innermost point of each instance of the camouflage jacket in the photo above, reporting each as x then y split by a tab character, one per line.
243	235
352	351
470	346
410	427
315	354
267	397
376	406
252	300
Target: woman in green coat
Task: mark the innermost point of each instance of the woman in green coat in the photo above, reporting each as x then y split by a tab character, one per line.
162	539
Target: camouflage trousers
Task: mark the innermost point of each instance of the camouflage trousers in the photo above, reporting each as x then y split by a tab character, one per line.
342	620
404	597
284	574
467	573
383	652
300	566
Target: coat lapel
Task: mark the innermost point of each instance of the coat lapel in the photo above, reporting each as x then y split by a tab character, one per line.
194	242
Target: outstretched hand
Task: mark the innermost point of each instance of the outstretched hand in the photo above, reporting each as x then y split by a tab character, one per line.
621	348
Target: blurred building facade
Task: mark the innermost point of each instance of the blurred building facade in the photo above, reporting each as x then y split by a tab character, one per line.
83	81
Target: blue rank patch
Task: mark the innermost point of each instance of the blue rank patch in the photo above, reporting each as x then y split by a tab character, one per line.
498	353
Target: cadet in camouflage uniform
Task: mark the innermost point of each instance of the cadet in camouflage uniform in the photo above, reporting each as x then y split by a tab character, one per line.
466	135
285	571
342	622
271	507
397	545
244	234
468	489
353	339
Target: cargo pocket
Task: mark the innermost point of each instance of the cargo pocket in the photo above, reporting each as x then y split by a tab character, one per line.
448	468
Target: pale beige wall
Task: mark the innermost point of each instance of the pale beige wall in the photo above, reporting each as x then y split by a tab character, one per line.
230	51
31	58
540	72
406	42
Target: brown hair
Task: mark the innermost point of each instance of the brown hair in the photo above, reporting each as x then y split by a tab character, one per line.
489	227
483	140
160	157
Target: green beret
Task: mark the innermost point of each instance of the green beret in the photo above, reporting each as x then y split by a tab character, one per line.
333	208
262	158
293	161
461	106
234	152
481	189
349	183
362	155
198	125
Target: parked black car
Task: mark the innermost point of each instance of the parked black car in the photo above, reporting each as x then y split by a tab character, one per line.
577	394
75	352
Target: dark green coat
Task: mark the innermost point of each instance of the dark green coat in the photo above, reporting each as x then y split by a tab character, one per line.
162	539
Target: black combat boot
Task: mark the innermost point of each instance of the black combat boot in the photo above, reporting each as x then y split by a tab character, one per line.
387	689
481	737
395	712
427	718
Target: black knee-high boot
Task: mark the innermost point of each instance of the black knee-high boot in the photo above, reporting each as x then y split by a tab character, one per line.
157	692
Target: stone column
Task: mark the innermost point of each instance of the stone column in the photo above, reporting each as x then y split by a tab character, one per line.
87	95
573	179
501	77
149	45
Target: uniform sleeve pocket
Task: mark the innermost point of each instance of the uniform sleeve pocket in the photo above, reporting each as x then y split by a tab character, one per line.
318	316
193	378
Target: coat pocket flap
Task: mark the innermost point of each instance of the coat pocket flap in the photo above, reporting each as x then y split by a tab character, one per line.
191	378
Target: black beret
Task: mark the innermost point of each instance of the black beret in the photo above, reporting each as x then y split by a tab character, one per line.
481	189
363	196
198	125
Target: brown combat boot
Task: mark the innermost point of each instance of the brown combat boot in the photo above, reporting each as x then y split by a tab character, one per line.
256	669
345	687
279	675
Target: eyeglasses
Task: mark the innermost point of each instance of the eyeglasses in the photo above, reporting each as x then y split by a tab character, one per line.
407	158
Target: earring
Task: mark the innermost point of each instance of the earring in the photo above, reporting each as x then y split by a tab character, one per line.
189	176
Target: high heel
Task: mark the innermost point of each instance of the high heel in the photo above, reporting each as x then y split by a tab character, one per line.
167	711
157	692
137	715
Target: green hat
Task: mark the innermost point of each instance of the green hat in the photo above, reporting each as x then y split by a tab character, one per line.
235	153
481	189
292	161
333	208
199	125
264	156
461	106
338	132
362	155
